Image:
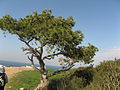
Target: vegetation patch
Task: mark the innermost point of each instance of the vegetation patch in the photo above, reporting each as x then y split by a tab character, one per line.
106	76
24	79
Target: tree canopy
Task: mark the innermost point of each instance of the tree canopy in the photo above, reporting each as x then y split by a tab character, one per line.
45	32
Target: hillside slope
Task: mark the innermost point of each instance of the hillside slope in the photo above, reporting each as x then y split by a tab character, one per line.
106	76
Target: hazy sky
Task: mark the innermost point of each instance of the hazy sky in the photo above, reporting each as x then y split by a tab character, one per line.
99	20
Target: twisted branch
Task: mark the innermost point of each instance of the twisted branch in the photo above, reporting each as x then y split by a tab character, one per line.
32	62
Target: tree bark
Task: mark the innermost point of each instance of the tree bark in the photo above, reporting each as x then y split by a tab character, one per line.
44	79
44	82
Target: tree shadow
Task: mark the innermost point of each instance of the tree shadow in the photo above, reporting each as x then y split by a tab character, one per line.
87	74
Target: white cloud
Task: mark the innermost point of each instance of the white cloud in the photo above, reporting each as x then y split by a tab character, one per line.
110	54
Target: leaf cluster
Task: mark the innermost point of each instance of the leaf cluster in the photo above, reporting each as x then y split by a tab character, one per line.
54	33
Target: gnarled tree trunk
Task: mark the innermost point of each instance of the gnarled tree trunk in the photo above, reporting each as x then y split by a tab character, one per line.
44	79
44	82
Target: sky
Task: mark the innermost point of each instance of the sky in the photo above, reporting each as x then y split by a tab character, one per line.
99	20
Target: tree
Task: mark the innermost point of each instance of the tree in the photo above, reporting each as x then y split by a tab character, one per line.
45	32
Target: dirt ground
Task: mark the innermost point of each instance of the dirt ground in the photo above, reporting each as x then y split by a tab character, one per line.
11	71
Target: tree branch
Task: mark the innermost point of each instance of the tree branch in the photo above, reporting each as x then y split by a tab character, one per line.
35	51
68	64
59	71
30	40
32	62
49	56
36	54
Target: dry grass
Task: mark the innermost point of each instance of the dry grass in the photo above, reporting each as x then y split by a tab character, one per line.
11	71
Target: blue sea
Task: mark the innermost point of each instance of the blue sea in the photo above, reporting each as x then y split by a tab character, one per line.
19	64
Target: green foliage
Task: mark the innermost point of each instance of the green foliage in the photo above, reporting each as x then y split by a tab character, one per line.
54	33
107	76
69	80
75	79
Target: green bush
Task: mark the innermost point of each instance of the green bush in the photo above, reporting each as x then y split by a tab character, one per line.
107	76
75	79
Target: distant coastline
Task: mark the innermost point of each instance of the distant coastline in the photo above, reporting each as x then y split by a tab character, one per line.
19	64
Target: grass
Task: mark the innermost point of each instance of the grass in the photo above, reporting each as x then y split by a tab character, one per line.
106	76
24	79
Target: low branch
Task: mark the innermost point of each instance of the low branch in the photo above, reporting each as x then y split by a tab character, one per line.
59	71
